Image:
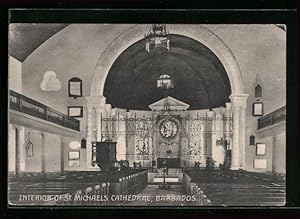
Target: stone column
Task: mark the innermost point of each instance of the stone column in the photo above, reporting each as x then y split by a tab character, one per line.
92	102
212	119
109	122
235	138
43	152
100	108
98	124
238	144
219	154
20	155
202	142
228	119
243	104
127	135
274	143
89	130
113	124
62	154
121	141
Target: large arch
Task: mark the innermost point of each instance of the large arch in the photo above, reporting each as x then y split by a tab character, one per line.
196	32
199	33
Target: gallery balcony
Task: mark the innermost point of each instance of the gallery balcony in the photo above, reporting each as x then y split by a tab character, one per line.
23	104
272	118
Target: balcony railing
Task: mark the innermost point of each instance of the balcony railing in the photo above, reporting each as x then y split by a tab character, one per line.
272	118
26	105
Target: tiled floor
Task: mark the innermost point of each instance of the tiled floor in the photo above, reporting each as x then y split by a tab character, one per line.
152	195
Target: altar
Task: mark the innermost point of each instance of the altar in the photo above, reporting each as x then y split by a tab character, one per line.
169	130
170	162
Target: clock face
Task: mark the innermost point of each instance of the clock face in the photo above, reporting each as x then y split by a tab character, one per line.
168	128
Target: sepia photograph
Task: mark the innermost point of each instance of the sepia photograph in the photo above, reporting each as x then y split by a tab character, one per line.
124	115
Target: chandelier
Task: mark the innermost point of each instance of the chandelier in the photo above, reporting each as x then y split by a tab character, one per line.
165	81
157	37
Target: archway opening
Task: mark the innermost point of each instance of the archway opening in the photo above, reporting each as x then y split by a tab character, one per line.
200	78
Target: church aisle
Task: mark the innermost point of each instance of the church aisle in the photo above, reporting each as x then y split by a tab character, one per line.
153	196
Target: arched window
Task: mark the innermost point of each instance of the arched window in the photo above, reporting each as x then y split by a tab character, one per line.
258	91
75	87
252	140
165	81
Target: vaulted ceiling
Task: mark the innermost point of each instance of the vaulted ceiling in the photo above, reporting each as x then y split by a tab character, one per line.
25	38
200	78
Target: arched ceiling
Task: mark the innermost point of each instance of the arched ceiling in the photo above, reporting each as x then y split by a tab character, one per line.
24	38
200	78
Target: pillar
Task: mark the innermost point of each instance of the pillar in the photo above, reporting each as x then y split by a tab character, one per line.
127	156
89	131
113	124
239	120
20	155
99	111
43	153
202	142
212	119
109	122
97	103
242	126
219	152
235	138
62	154
227	120
121	141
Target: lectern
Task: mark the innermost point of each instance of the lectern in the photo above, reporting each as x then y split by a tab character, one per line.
106	155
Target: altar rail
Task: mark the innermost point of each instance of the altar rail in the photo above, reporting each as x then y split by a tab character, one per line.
272	118
34	108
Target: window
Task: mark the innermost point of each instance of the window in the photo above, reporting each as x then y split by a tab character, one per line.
252	140
258	91
165	81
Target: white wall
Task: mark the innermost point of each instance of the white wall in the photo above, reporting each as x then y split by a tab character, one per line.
52	150
279	145
15	74
74	51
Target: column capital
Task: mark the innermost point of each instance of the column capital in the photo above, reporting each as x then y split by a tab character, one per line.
99	109
89	109
239	99
95	101
210	113
228	106
107	107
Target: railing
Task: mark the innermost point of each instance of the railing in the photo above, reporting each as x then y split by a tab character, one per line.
31	107
272	118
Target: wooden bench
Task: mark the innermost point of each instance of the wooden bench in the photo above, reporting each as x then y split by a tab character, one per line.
93	184
235	188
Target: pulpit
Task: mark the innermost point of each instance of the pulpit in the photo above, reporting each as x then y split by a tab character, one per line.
106	155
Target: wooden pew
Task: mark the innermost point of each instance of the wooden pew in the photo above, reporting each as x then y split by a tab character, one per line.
71	183
236	188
